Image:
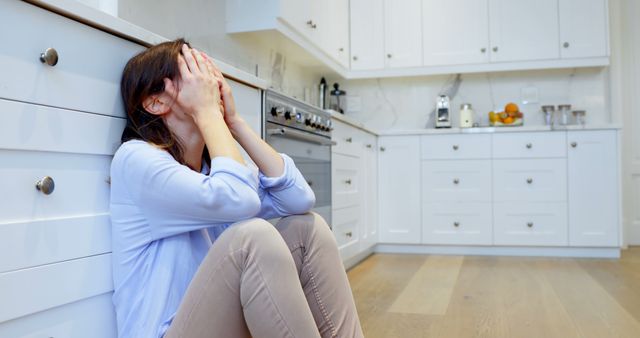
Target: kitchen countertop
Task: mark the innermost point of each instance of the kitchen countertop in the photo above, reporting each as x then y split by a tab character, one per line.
350	121
484	130
125	29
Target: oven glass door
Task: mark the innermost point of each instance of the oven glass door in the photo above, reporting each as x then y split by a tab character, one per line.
314	162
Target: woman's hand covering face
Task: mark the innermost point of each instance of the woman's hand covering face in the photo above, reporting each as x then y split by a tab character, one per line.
229	107
199	92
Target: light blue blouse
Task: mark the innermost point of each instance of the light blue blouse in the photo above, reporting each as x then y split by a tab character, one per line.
165	217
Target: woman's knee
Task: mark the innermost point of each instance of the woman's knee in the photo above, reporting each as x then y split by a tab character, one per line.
305	227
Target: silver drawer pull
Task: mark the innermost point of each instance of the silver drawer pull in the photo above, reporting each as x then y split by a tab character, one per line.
349	140
529	180
349	234
456	224
50	57
347	181
455	147
574	144
369	146
46	185
456	180
530	224
383	149
529	145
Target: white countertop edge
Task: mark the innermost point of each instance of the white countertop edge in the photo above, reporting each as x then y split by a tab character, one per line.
117	26
491	130
350	121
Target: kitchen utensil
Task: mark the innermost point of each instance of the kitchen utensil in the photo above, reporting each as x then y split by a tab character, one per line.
443	117
322	92
335	102
466	115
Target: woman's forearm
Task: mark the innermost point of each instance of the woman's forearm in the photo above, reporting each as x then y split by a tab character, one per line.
218	138
266	158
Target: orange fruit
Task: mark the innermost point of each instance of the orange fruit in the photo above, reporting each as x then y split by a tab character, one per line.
508	120
511	108
493	117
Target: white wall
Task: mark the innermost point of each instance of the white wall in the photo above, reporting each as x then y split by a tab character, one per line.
202	22
405	103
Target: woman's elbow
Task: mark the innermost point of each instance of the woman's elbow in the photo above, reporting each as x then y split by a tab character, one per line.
304	203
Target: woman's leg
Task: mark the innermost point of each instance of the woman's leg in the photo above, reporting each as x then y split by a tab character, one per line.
322	274
247	284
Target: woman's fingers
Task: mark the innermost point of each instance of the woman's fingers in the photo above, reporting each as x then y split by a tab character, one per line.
202	63
182	66
189	59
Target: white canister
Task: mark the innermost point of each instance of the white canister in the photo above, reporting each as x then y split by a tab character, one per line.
466	115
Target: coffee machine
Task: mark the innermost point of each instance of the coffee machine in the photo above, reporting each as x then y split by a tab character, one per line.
443	109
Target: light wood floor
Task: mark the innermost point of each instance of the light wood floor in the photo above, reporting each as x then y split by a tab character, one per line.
412	296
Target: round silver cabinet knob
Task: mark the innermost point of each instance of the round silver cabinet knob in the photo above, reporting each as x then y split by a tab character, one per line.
456	181
529	180
49	56
565	45
355	58
530	224
483	50
389	56
349	234
348	181
349	139
529	145
383	149
369	146
495	49
46	185
574	144
456	224
456	147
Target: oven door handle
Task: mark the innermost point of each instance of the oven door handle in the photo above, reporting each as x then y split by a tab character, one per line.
301	136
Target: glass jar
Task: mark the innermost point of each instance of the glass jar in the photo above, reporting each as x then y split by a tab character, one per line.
563	114
548	114
580	117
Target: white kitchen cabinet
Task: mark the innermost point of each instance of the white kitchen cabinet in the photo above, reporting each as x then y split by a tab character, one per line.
457	223
370	190
337	42
583	28
399	189
530	180
367	34
403	33
523	30
531	224
456	181
455	32
593	188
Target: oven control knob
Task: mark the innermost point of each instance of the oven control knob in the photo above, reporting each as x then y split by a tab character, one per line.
307	120
329	125
314	121
299	118
274	111
287	115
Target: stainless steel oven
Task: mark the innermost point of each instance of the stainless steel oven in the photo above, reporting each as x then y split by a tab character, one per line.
304	133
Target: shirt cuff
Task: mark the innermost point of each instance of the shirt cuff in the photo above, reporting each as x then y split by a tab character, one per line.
281	181
228	166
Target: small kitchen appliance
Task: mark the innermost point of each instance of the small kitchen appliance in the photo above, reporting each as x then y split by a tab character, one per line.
443	115
466	115
335	102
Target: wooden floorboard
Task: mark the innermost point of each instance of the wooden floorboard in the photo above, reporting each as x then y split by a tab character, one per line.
475	296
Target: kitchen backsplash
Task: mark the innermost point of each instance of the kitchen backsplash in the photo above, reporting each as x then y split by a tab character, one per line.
406	103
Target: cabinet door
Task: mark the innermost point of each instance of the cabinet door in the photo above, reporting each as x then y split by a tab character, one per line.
523	30
367	34
370	189
338	40
296	13
451	43
593	188
399	189
583	28
403	33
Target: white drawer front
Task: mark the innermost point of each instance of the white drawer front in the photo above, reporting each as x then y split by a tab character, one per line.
29	244
90	64
93	317
348	139
530	145
530	180
81	185
463	181
346	181
459	146
543	224
345	228
45	287
32	127
459	223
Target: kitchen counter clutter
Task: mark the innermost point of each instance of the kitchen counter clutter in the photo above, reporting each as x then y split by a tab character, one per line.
494	130
124	29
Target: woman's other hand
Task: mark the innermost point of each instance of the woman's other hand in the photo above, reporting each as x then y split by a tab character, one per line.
199	92
231	116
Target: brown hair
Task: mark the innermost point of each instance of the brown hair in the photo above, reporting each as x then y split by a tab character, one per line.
144	76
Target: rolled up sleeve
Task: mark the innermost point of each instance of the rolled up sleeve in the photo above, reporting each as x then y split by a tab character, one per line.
287	194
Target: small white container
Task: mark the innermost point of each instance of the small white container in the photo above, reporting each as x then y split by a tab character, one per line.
466	116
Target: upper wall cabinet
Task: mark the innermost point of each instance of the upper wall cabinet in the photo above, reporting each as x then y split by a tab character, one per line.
583	28
403	33
367	34
523	30
471	29
321	27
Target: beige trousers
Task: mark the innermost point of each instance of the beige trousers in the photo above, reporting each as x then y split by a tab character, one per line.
264	281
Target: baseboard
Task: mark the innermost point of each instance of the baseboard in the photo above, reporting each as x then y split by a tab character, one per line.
499	251
353	261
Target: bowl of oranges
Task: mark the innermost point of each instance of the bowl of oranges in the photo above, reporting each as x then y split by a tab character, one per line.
510	117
